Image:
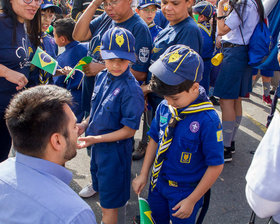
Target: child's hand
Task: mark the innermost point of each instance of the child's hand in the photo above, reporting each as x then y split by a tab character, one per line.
139	183
86	141
184	207
67	70
82	128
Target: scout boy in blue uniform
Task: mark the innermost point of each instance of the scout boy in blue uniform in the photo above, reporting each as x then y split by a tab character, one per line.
205	12
48	10
186	145
147	11
117	106
74	52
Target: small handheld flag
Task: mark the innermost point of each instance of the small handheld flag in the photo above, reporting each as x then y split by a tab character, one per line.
79	66
44	61
145	212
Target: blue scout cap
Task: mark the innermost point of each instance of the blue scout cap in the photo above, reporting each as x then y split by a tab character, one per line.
49	4
204	8
118	43
145	3
177	64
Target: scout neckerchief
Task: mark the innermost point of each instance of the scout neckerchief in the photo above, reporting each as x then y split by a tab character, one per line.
44	77
168	134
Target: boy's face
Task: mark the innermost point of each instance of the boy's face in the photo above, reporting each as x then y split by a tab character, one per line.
58	40
148	14
47	16
184	98
116	66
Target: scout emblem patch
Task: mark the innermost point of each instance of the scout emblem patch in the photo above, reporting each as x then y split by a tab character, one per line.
119	40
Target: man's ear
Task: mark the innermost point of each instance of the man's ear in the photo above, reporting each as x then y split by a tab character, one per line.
137	10
57	141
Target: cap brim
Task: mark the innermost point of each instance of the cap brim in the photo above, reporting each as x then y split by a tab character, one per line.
165	75
146	5
57	9
106	54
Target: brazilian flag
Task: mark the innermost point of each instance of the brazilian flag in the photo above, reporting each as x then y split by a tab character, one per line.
79	66
145	212
44	61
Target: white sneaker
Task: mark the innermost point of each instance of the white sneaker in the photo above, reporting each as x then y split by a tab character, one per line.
87	192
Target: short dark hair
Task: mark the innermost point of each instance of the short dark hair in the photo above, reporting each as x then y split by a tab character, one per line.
64	27
33	115
162	89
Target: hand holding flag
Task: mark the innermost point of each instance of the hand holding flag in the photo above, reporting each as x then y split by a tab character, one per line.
79	66
44	61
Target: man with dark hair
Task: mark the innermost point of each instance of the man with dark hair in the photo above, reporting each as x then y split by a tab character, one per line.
34	184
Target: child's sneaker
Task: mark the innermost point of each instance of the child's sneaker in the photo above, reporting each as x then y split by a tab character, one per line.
232	147
215	101
267	100
139	153
227	154
87	191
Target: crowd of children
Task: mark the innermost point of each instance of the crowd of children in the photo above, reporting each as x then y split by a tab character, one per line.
182	137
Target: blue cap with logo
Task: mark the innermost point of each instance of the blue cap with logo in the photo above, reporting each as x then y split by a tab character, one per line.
49	4
145	3
118	42
177	64
204	8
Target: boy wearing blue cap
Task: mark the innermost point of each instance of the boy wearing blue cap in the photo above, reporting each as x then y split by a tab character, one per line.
117	105
205	11
186	145
147	11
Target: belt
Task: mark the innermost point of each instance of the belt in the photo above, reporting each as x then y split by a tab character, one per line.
230	45
172	183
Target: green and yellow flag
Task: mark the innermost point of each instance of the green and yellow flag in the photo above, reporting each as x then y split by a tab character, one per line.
79	66
145	212
44	61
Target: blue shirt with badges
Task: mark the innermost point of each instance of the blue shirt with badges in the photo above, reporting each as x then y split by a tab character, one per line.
14	55
143	46
197	143
208	45
73	53
34	190
154	30
117	101
39	76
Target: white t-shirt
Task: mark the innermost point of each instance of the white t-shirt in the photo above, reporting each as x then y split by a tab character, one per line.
250	20
263	176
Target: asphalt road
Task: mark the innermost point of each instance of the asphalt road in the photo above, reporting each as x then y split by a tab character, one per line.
228	202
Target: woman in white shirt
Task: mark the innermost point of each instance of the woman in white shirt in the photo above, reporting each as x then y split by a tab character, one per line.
236	21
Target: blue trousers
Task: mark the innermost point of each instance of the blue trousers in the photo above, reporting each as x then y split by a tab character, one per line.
164	197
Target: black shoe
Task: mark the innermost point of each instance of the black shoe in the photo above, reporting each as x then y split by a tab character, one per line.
215	101
139	153
227	154
232	147
272	92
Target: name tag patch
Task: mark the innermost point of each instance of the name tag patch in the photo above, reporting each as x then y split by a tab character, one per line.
219	136
186	157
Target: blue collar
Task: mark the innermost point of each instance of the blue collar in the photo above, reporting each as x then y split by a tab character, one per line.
123	75
45	166
71	44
